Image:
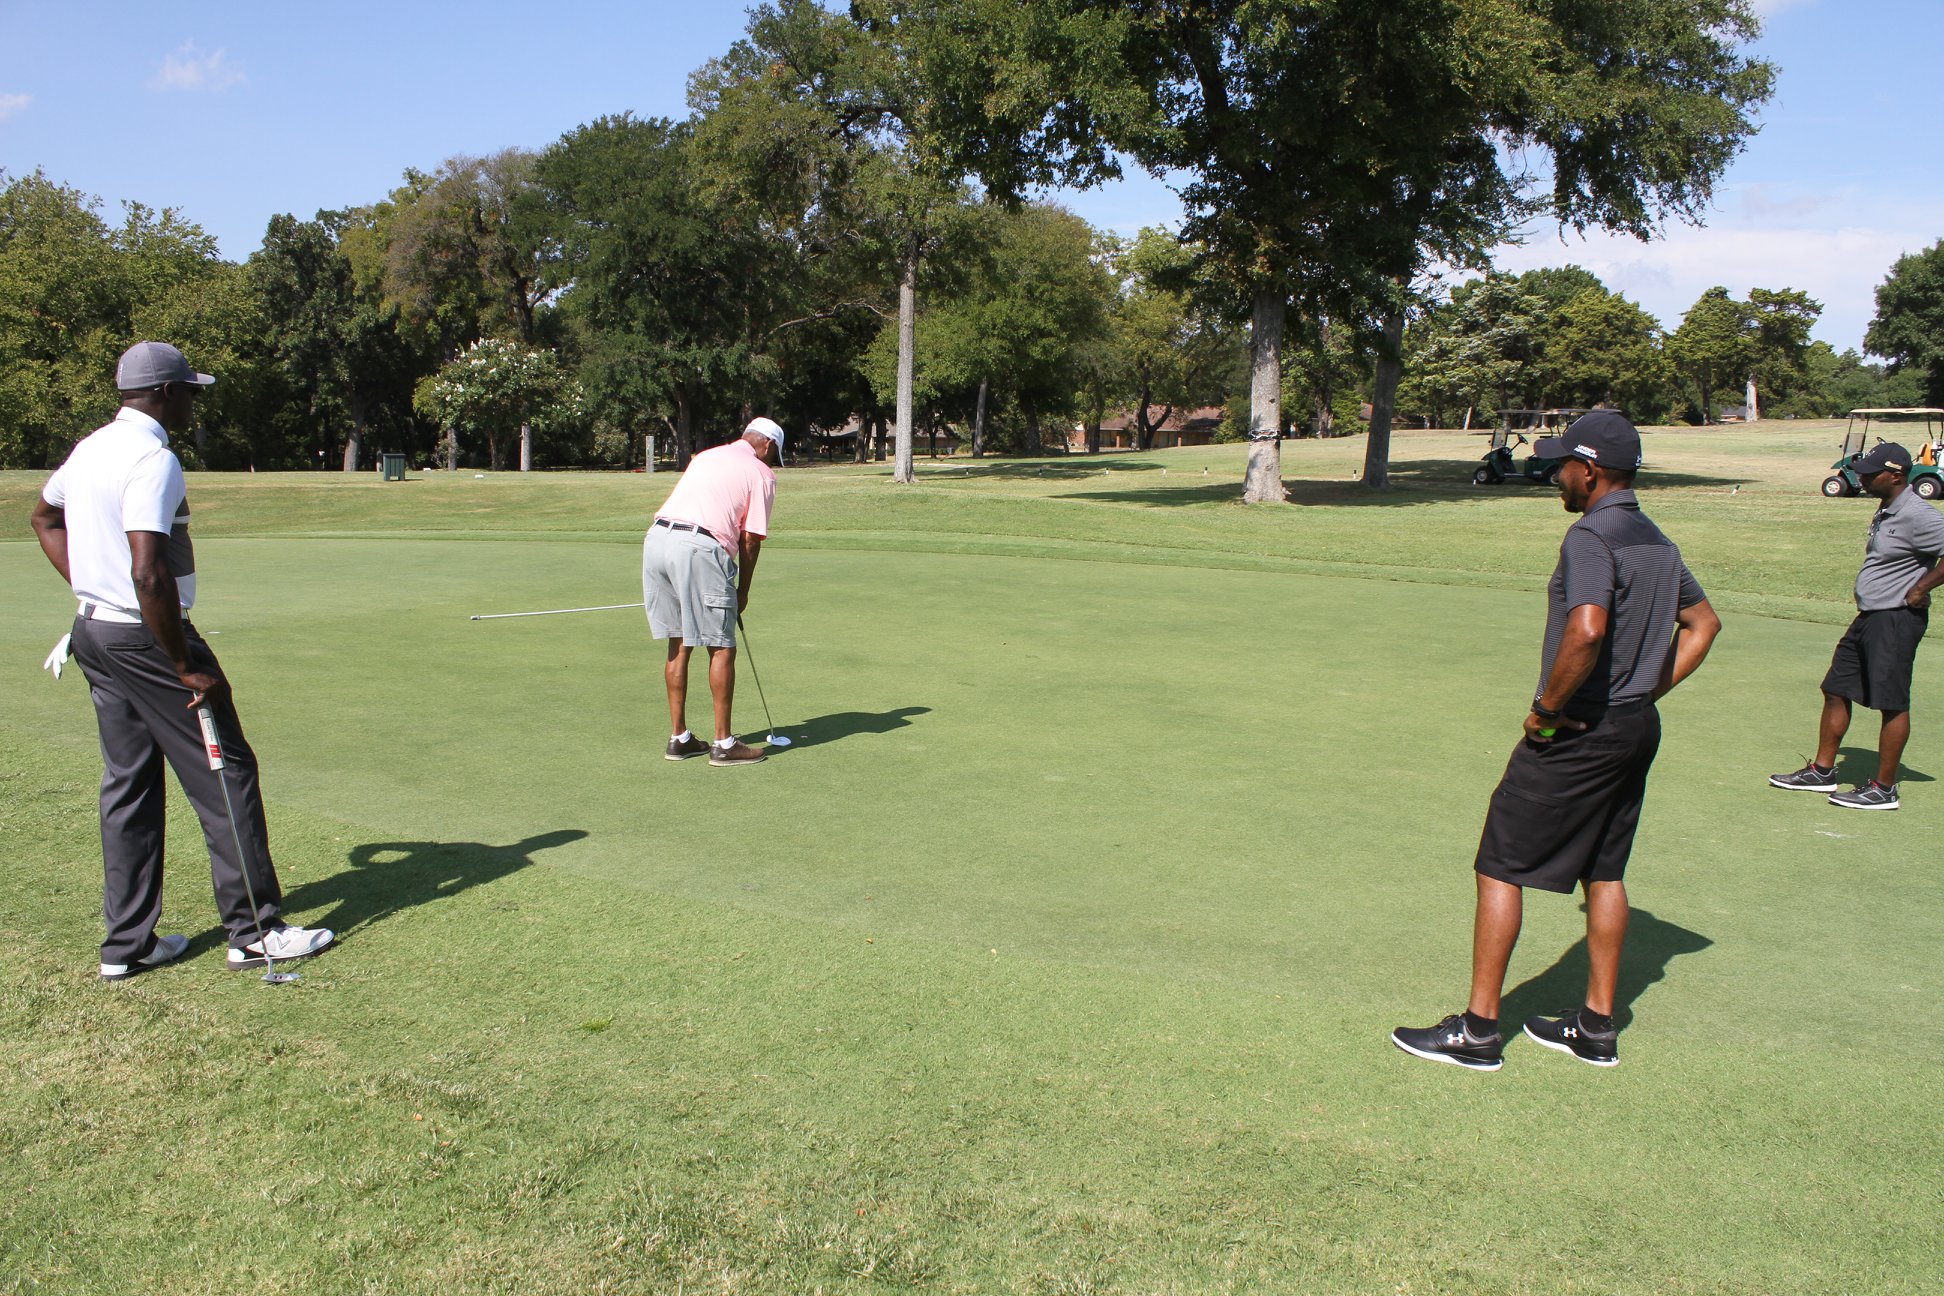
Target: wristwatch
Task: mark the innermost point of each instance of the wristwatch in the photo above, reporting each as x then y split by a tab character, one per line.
1543	711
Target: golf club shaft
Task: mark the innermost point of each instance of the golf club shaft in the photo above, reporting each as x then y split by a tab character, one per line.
502	616
215	746
755	674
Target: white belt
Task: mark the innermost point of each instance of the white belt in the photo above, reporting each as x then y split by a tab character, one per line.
90	611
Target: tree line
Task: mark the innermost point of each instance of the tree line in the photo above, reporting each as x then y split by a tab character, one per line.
837	170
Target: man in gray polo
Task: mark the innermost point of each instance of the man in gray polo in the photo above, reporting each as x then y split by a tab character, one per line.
1877	655
114	522
1625	623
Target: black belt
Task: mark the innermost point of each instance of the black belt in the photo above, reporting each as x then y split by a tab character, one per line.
677	526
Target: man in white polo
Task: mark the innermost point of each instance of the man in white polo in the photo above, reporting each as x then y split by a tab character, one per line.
697	562
114	521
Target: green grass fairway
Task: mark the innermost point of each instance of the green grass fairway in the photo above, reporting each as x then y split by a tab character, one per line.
1058	956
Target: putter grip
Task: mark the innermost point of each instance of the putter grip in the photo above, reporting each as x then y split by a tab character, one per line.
210	742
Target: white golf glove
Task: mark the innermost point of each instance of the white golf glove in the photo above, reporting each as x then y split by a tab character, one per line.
59	657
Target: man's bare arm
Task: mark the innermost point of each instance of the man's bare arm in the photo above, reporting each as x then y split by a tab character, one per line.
161	602
50	528
1695	629
751	547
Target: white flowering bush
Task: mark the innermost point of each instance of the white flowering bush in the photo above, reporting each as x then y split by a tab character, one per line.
493	387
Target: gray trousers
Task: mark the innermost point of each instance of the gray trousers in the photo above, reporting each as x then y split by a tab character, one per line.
142	710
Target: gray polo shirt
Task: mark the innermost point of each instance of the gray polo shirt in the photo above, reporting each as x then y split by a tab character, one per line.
1614	558
1906	540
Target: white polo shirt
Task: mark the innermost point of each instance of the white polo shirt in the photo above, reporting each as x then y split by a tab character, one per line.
122	477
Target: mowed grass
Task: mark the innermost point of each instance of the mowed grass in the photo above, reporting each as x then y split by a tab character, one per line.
1057	957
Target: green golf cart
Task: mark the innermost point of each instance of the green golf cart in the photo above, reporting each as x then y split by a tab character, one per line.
1924	476
1497	462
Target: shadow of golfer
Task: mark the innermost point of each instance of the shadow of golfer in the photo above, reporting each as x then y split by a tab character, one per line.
1857	764
843	724
1651	945
385	877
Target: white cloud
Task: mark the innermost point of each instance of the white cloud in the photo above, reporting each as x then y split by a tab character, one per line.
13	103
190	69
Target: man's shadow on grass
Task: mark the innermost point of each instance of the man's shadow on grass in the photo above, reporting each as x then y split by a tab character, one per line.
386	877
843	724
1857	765
1651	945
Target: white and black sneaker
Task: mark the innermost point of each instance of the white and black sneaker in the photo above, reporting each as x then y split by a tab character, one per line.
1810	778
281	944
1569	1034
1868	796
1451	1040
165	949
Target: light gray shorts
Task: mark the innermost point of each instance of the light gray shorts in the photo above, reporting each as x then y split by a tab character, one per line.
688	581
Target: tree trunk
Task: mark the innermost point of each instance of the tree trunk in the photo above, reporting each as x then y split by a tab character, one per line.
978	421
1035	439
861	451
1262	484
1754	411
1707	402
452	449
526	447
1143	437
907	344
683	443
495	451
352	444
1383	404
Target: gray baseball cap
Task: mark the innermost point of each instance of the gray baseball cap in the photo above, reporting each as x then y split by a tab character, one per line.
150	364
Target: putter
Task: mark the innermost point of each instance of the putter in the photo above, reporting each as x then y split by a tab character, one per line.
774	739
215	747
502	616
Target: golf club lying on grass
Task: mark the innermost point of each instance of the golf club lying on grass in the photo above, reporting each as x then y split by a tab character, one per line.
774	739
502	616
215	747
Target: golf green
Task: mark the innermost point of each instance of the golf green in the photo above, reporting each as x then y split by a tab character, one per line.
1057	955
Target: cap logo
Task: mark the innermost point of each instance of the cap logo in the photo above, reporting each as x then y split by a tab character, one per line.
1587	450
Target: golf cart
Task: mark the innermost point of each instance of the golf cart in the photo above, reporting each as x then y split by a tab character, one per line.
1497	463
1924	476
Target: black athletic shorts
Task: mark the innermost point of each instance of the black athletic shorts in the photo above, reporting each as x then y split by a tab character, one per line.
1875	656
1566	811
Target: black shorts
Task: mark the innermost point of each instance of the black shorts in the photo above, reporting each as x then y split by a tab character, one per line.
1566	811
1875	656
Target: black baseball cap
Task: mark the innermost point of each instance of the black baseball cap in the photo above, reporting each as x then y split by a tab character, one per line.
1884	456
1602	437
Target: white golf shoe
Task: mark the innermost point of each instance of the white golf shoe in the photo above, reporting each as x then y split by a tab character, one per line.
281	944
167	949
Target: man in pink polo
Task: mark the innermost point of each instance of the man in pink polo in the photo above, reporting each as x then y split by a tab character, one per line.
696	567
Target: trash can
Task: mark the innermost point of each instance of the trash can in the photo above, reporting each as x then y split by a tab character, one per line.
394	467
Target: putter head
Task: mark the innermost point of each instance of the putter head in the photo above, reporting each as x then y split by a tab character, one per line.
280	978
776	740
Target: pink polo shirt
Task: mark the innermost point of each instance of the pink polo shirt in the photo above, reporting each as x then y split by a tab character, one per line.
726	491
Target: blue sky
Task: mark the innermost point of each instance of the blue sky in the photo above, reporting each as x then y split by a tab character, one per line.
234	112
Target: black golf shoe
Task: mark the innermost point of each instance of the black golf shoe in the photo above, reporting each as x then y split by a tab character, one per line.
1869	796
1810	778
1569	1035
683	748
1451	1041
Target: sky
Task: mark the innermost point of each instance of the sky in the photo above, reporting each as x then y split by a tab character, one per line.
234	112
